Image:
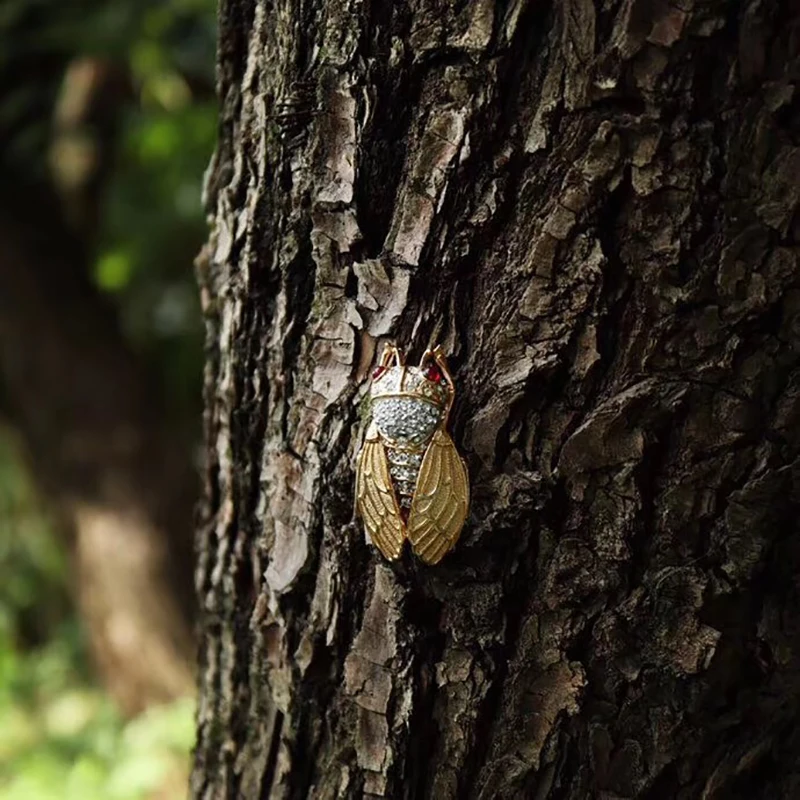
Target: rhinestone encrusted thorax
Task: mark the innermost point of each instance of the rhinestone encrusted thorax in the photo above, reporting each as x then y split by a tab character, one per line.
407	406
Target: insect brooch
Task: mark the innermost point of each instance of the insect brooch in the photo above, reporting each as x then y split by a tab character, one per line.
411	482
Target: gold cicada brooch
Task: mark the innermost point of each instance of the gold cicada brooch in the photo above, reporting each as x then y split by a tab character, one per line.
411	482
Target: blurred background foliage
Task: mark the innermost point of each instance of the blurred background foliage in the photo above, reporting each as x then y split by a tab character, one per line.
129	172
62	737
158	119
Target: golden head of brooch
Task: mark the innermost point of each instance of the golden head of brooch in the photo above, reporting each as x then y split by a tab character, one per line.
411	483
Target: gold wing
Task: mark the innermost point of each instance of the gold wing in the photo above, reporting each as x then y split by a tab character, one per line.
376	500
441	500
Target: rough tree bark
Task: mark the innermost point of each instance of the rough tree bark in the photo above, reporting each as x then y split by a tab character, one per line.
593	206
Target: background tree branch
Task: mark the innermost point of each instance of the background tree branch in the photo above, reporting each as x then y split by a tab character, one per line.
93	427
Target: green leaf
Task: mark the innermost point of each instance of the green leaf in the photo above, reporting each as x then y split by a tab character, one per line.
113	270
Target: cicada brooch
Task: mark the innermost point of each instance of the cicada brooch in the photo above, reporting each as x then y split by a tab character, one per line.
411	482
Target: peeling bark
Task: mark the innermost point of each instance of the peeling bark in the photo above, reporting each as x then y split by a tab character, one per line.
593	207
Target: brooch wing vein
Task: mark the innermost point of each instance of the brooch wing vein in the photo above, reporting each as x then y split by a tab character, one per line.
441	500
376	499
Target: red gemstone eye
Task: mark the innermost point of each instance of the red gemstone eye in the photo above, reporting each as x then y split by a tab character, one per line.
433	373
379	370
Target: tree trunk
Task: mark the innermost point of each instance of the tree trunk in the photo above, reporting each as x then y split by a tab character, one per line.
592	206
121	485
120	482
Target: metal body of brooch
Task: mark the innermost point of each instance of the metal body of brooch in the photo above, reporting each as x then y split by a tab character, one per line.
411	482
